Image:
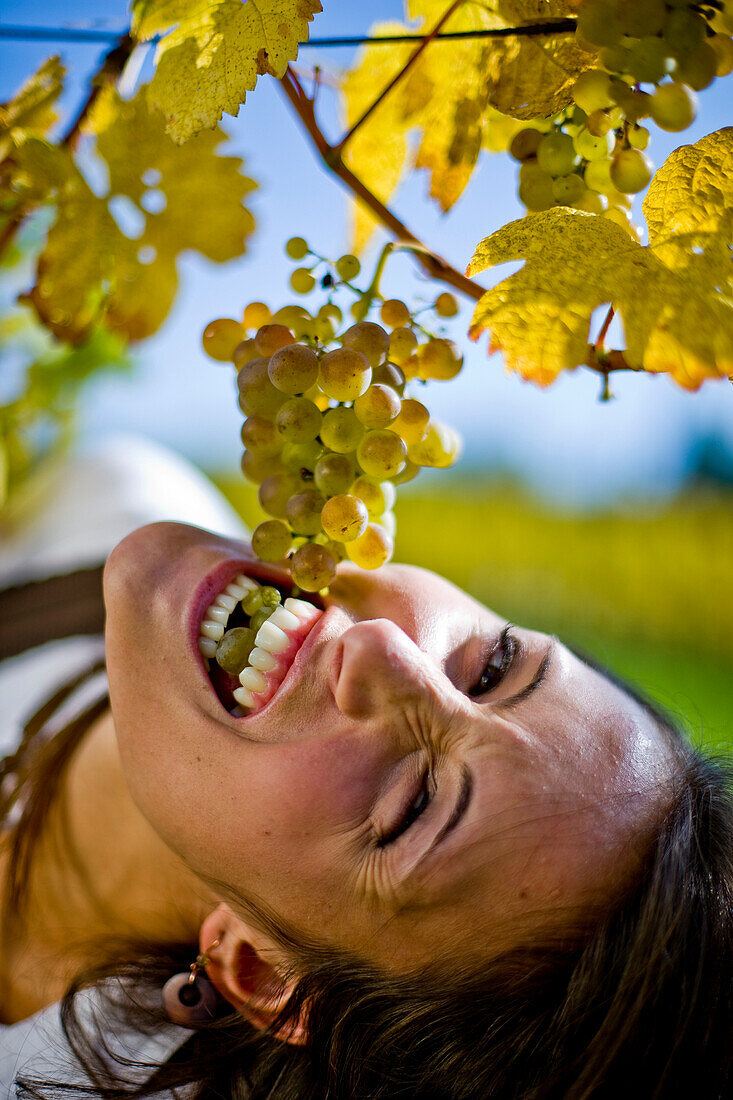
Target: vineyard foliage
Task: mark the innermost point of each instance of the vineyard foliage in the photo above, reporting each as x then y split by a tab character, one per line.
574	92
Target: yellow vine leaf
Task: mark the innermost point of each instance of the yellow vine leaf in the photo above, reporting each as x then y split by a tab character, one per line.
215	53
525	77
93	268
458	96
574	262
31	108
689	208
378	151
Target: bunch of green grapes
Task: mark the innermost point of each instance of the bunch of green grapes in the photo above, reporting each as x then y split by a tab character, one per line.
330	426
653	58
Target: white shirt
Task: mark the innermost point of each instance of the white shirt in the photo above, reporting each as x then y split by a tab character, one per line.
79	508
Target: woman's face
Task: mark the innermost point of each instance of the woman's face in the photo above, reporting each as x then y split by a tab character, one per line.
537	785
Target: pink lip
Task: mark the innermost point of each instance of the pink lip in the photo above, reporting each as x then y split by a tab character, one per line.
214	583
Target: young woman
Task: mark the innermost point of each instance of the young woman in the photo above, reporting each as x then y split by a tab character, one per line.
446	858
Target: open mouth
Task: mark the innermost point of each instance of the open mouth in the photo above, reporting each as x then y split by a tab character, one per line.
249	637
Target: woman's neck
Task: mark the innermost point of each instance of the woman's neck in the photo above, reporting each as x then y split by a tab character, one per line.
98	869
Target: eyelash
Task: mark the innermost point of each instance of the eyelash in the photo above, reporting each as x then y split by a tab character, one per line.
425	797
509	644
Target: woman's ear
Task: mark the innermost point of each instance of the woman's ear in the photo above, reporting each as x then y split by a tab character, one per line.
246	968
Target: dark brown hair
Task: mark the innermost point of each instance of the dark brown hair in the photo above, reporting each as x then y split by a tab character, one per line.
639	1003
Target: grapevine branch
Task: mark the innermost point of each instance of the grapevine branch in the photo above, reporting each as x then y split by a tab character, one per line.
436	266
399	76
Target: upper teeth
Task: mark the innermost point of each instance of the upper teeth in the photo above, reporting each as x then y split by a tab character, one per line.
272	637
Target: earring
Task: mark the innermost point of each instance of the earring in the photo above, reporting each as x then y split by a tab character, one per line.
190	999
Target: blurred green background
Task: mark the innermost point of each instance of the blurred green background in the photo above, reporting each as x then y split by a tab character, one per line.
646	590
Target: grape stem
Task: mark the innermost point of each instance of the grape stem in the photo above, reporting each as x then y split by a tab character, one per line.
436	266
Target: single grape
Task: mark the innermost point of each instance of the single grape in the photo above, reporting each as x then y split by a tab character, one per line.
620	218
410	368
556	155
591	202
337	550
275	492
302	281
372	549
270	338
296	248
524	144
298	420
440	360
445	305
639	19
631	170
722	46
674	107
296	318
221	337
410	471
638	137
378	406
412	422
684	31
301	458
256	314
615	58
312	567
326	322
341	430
318	397
348	267
256	467
590	147
599	24
303	512
592	90
698	69
344	517
381	454
333	474
378	496
369	339
293	368
344	374
649	60
259	618
257	395
260	435
599	123
360	308
394	313
387	374
568	190
244	353
597	176
271	540
402	344
535	189
441	447
234	648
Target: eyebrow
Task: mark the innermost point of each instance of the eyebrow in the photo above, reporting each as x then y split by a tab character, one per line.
534	683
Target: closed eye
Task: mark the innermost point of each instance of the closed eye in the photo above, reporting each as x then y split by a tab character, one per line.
500	661
419	805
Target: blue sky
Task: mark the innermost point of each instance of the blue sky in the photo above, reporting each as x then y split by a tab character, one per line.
562	442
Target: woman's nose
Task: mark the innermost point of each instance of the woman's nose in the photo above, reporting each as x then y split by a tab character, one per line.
384	671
